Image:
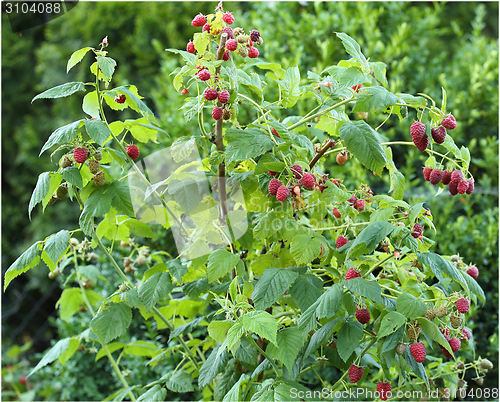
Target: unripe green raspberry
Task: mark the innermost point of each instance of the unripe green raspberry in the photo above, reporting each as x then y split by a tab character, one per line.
430	314
400	349
243	52
97	155
62	191
442	311
66	162
486	364
455	321
242	38
94	166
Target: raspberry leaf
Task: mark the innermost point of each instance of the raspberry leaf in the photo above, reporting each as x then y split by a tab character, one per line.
352	47
416	368
220	262
440	265
373	99
246	144
306	290
369	238
111	321
61	91
433	332
330	301
182	148
352	76
290	87
71	301
410	306
155	288
90	105
234	335
271	285
322	335
107	66
348	338
362	287
77	57
155	393
27	260
261	323
305	248
473	286
56	245
180	382
390	323
362	141
289	341
57	350
98	131
218	329
63	135
40	191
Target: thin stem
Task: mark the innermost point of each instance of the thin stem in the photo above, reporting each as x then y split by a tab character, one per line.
111	259
252	341
320	153
388	288
378	264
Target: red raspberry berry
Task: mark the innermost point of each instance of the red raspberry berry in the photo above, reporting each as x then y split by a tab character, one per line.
418	230
190	47
225	57
457	176
438	134
462	187
80	155
356	88
133	151
23	380
204	75
418	352
420	139
363	315
384	390
206	28
352	273
447	354
470	189
463	305
427	173
232	45
473	271
446	333
184	91
121	98
228	18
446	178
355	373
341	241
360	205
217	113
435	176
229	31
308	181
466	335
453	188
449	122
282	194
275	132
297	171
336	213
254	35
455	344
253	52
352	200
224	96
271	173
210	94
199	20
274	184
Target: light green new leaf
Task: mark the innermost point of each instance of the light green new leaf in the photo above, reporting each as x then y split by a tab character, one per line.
182	148
361	140
70	351
98	131
27	260
57	350
60	91
348	338
90	105
352	47
290	87
56	245
410	306
261	323
289	341
63	135
111	322
41	190
368	240
396	177
76	58
217	330
246	144
390	323
220	262
234	335
140	348
272	284
305	248
156	288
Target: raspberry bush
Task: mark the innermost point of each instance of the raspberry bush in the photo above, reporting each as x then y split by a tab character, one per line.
325	276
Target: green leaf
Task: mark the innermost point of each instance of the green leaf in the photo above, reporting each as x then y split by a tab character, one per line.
322	335
450	145
180	382
352	76
417	368
434	333
63	135
225	382
214	364
473	286
348	338
90	105
111	322
396	177
246	144
139	228
60	91
290	87
97	204
155	394
260	323
186	328
220	262
98	131
410	306
415	101
74	343
120	198
76	58
217	330
234	335
201	41
234	393
390	323
182	148
369	238
373	99
440	265
308	319
289	341
57	350
177	269
56	245
305	248
271	285
156	288
140	348
361	140
186	193
352	47
73	176
392	340
362	287
135	103
107	66
330	301
112	347
41	190
379	70
27	260
141	130
306	290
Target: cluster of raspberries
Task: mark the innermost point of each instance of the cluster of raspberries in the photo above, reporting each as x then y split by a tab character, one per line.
211	94
421	139
454	180
282	193
236	38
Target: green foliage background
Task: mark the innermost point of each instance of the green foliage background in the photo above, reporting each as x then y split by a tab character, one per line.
425	46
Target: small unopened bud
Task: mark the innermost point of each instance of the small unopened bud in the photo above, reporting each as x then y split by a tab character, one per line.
105	42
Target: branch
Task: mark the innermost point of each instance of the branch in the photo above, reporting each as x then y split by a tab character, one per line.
330	143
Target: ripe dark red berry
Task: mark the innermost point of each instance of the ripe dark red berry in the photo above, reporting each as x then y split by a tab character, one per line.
384	390
254	35
463	305
341	241
449	122
466	335
217	113
427	173
470	189
229	31
418	352
352	273
206	28
363	315
271	173
453	188
457	176
273	186
80	155
190	47
418	230
446	178
455	344
447	354
121	98
438	134
231	45
297	171
253	52
210	94
228	18
462	187
360	205
199	20
225	57
473	271
352	200
133	151
204	75
355	373
275	132
23	380
282	194
336	213
308	181
224	96
435	176
420	138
